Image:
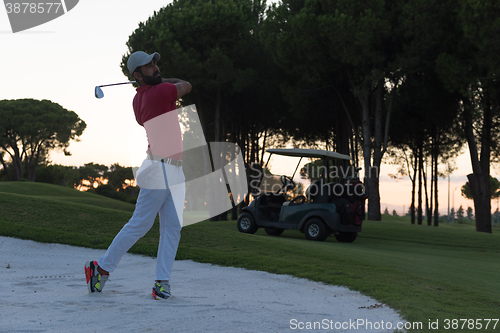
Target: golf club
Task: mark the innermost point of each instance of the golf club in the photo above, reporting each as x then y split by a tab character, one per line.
98	90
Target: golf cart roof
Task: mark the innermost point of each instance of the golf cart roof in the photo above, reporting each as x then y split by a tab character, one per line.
314	153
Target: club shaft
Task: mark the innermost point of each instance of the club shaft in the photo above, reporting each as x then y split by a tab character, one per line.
115	84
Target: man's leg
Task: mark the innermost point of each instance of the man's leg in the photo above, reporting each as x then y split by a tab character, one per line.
148	204
170	223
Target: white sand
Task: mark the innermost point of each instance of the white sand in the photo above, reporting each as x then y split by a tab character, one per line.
43	289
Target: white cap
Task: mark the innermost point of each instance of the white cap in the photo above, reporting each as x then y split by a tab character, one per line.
140	58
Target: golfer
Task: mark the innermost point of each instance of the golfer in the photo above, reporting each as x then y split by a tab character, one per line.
160	177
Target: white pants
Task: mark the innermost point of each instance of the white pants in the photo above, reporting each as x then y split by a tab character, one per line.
165	198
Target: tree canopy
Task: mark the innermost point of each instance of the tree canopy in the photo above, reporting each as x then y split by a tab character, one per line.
421	76
494	189
29	130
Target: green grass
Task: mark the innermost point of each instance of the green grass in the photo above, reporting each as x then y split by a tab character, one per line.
61	193
449	272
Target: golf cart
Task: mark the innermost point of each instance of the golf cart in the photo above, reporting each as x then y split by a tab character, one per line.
333	203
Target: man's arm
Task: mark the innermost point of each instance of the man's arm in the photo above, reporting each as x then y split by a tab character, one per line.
171	80
183	87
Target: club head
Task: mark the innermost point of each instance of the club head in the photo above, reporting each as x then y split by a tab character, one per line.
98	92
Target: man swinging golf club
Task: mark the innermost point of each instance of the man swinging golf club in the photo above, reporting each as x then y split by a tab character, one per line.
160	177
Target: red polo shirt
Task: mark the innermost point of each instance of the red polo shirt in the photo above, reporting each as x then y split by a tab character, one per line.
152	108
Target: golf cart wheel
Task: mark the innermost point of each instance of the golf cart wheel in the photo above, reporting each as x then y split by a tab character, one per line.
345	237
246	223
316	230
274	231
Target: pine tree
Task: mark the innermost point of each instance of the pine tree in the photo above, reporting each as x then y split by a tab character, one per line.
470	214
460	213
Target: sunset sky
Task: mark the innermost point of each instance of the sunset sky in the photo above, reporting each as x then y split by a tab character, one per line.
63	60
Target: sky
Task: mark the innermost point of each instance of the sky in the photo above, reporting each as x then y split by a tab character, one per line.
64	59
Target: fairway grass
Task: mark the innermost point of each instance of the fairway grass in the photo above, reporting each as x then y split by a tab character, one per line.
426	273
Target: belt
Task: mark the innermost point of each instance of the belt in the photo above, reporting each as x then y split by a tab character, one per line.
172	162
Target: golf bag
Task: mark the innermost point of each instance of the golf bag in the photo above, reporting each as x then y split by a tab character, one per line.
350	202
356	196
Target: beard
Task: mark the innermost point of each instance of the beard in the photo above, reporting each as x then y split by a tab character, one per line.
153	80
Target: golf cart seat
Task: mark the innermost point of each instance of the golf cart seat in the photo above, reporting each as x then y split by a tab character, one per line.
316	193
270	205
272	200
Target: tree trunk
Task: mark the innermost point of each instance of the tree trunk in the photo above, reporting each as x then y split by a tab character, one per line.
420	166
342	139
27	169
263	147
33	163
208	165
436	202
413	188
485	223
218	138
427	210
371	188
431	197
246	143
351	147
217	124
378	153
356	150
18	163
372	171
479	179
5	167
482	204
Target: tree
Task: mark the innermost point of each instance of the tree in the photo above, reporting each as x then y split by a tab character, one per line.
58	174
452	214
119	185
30	129
386	211
355	47
394	213
471	68
314	170
460	213
92	175
424	125
470	213
494	189
118	176
424	116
